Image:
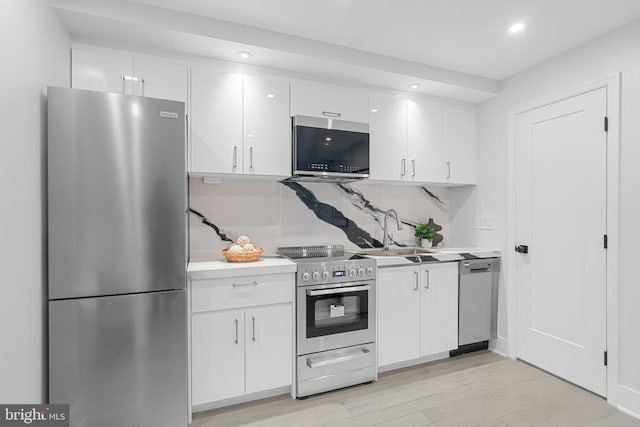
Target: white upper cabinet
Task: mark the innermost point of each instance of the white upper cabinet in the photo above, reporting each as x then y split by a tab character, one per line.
130	74
101	70
460	145
160	78
320	100
387	137
406	139
216	121
267	126
424	135
239	123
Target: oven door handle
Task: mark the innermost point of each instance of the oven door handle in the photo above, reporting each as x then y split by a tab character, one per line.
317	364
313	293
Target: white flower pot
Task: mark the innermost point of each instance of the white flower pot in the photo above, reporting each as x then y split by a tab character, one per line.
425	243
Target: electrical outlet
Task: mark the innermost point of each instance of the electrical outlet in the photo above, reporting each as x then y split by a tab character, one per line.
484	222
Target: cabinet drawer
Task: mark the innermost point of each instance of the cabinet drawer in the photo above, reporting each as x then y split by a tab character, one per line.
236	292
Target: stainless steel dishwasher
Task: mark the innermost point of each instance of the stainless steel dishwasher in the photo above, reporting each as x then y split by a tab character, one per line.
477	304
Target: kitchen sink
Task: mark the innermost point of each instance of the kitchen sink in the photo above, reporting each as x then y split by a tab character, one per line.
397	252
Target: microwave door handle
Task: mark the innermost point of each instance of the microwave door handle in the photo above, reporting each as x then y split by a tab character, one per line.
331	114
313	293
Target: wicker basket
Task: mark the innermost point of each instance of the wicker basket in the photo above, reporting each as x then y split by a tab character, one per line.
243	256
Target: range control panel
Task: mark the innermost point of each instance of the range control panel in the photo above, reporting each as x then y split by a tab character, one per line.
336	271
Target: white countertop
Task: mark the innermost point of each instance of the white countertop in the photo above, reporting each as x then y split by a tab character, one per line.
221	269
438	255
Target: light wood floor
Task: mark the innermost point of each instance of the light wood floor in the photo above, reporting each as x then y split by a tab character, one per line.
480	389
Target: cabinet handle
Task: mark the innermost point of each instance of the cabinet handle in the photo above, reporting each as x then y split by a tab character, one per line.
413	166
253	335
427	280
331	114
241	285
403	167
417	285
141	86
122	80
250	157
448	170
235	156
236	340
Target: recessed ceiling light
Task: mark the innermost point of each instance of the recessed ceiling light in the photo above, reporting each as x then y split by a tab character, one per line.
374	110
244	54
414	86
270	96
327	139
516	28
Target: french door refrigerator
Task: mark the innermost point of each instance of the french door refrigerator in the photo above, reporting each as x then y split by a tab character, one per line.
117	258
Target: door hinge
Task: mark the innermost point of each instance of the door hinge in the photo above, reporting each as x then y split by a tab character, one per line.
605	358
606	241
606	124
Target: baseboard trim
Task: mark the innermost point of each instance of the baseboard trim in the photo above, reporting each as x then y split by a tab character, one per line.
629	401
241	399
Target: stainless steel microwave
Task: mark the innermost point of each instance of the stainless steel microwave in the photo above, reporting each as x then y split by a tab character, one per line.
326	149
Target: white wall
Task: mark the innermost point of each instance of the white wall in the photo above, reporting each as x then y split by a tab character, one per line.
35	53
598	59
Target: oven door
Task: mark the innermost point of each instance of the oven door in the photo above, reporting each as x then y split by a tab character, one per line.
334	316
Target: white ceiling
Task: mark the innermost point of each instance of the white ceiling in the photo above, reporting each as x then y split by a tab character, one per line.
462	35
453	48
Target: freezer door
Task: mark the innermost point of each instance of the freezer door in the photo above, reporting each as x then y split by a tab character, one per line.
117	194
121	360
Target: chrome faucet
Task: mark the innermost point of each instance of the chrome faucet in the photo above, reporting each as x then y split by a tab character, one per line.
385	237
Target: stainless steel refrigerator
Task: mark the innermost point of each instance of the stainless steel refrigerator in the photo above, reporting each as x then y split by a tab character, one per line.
117	258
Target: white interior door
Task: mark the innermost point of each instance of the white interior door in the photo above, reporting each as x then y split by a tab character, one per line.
561	216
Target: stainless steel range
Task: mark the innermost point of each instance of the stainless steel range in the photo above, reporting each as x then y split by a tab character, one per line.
335	318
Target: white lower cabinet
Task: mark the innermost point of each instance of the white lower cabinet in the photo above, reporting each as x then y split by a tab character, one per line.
269	347
241	336
417	311
398	314
217	355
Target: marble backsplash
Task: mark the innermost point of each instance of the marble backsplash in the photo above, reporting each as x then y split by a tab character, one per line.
277	214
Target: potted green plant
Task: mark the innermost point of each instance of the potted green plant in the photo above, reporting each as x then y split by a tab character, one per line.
425	234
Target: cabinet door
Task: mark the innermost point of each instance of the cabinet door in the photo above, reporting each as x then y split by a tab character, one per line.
217	355
101	70
439	308
162	78
267	126
398	314
388	137
269	344
459	141
319	100
216	121
425	142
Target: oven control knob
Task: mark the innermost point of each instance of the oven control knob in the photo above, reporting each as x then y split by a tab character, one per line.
305	276
360	271
315	275
325	275
352	272
369	271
